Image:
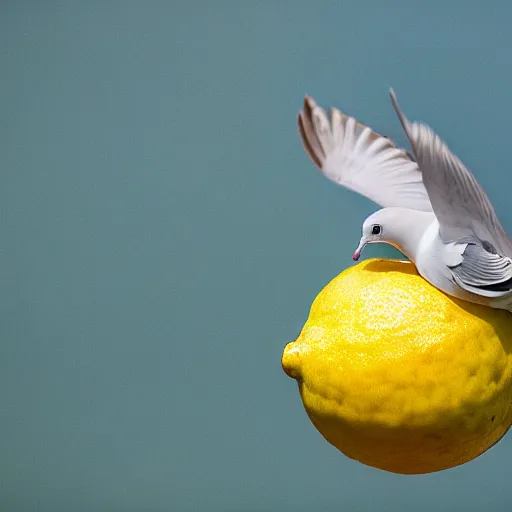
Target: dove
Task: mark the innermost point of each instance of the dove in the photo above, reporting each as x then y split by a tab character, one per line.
432	208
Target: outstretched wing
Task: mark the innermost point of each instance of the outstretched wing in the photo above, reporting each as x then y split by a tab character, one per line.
356	157
459	203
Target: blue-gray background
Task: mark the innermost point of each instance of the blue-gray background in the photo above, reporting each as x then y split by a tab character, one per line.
163	235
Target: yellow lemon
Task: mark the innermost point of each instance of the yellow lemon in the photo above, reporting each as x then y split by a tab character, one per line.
399	376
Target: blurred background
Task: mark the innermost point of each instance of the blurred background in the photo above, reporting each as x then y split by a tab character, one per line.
164	234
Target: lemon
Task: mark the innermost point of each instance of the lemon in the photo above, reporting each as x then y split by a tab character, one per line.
400	376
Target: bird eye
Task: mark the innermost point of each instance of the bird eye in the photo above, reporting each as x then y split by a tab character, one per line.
376	229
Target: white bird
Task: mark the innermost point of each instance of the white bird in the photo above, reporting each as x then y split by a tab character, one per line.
433	209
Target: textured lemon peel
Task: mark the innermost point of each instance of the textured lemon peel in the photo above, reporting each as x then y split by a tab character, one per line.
366	369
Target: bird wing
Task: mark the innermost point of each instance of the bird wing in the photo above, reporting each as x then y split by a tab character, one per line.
459	202
483	271
354	156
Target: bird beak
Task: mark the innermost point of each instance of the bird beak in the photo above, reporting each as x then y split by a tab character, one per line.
359	249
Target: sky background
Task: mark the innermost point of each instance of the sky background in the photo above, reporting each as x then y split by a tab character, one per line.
164	234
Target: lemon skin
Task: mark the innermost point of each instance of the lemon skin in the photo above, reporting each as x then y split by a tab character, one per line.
399	376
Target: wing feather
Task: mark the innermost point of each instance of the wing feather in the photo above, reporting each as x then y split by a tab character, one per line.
483	272
459	202
356	157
